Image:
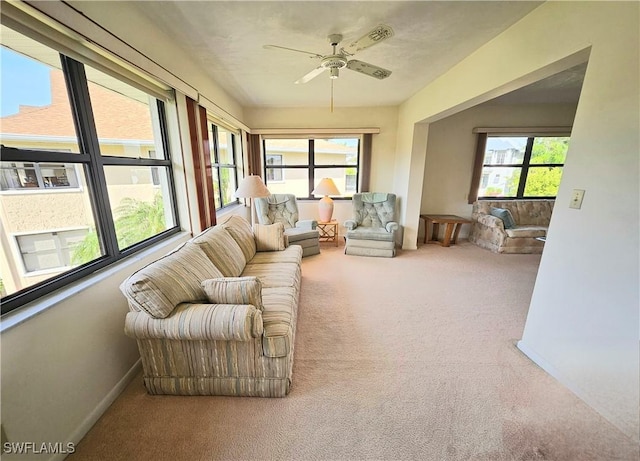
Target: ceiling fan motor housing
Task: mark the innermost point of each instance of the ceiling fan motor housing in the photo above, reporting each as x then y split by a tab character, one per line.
334	62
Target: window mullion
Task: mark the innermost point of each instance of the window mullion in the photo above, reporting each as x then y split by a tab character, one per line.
525	168
88	140
312	163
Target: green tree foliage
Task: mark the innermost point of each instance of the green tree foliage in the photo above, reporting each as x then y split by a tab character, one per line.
542	181
135	221
549	150
87	250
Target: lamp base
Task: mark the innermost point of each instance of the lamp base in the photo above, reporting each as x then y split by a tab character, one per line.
325	209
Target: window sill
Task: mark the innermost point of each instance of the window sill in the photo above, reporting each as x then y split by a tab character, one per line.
24	313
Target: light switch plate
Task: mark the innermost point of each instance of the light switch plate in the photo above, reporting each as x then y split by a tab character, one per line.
576	199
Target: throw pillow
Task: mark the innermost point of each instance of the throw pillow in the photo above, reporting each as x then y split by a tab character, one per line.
234	290
269	237
505	215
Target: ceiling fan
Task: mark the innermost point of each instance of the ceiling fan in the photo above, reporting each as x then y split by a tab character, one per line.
339	58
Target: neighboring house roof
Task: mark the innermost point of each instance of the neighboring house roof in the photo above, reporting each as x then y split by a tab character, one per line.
117	116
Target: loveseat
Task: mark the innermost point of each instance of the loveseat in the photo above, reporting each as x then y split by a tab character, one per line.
217	316
517	231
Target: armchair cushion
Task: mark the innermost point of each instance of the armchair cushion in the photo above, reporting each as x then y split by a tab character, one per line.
269	237
199	322
234	290
371	233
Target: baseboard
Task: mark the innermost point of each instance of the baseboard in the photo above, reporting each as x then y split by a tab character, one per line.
577	390
99	410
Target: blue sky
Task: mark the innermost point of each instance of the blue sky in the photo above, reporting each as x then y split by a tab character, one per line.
23	81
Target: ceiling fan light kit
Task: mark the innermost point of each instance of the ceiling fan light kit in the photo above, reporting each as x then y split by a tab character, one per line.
340	59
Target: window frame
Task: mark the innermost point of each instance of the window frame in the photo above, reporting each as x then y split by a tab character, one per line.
524	167
311	166
93	163
216	165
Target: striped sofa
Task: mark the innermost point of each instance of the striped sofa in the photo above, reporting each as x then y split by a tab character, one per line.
217	316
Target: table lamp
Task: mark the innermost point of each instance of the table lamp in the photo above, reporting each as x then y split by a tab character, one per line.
251	187
325	187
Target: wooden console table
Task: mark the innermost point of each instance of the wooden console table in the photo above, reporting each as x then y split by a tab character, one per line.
328	231
451	232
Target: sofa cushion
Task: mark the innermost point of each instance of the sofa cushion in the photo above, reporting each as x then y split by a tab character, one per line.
275	274
173	279
234	290
527	231
505	215
269	237
222	250
292	254
242	233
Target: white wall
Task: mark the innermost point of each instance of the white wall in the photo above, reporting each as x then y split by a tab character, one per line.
583	319
451	150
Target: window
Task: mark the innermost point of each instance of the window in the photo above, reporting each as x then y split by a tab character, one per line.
30	176
297	165
274	174
49	250
95	150
522	167
222	145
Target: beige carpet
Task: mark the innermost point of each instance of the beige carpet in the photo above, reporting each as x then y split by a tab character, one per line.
410	358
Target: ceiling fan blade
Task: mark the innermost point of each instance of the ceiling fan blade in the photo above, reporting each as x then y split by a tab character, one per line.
311	75
276	47
378	34
368	69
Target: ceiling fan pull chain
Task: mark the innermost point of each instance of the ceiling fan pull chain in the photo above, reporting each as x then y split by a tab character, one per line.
332	95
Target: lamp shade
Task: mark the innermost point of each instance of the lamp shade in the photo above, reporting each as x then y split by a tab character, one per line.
326	186
251	187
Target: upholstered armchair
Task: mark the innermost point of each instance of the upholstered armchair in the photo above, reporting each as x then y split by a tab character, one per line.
283	208
372	231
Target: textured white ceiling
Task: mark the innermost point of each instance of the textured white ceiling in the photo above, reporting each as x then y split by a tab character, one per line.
227	38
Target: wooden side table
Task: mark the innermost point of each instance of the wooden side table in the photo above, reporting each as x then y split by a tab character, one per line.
451	232
328	231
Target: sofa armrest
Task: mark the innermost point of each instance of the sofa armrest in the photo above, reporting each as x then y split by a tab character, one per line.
392	226
350	224
309	224
491	221
209	322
